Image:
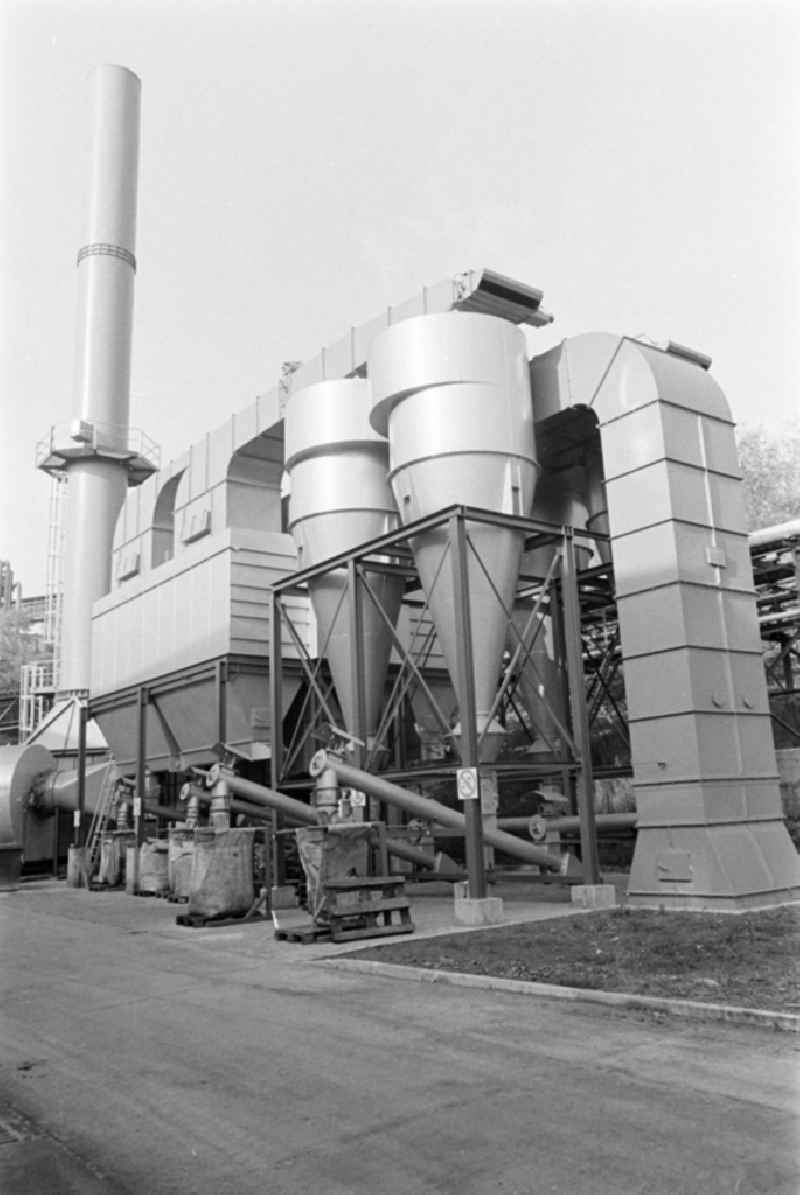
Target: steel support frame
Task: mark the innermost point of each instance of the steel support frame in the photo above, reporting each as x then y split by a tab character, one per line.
601	694
357	563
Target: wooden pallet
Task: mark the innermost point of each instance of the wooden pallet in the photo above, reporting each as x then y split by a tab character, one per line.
368	907
304	935
198	921
256	912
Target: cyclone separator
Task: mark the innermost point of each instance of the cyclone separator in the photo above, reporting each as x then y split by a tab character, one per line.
453	393
340	499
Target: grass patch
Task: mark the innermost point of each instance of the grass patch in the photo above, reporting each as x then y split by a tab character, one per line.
750	960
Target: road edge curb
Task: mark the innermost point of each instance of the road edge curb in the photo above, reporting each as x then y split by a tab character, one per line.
785	1022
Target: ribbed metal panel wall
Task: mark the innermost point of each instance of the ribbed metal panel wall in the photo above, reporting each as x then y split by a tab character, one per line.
710	828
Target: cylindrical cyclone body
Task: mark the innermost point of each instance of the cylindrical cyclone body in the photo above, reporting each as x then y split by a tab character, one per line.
453	392
340	498
101	385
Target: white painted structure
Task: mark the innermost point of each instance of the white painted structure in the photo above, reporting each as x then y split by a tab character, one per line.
96	451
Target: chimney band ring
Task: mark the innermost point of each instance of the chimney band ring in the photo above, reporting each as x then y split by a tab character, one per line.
100	247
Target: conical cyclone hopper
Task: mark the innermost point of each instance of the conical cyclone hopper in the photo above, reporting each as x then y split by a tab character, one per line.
340	498
453	393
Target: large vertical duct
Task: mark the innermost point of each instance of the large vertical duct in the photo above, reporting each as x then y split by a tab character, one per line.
452	391
710	830
340	498
95	453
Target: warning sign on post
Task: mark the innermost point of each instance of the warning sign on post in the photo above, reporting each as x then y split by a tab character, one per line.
467	784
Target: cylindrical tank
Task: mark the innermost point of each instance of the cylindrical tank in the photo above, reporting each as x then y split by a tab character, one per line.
453	393
101	387
340	498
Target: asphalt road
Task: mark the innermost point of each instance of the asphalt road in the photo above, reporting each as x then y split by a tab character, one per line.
139	1057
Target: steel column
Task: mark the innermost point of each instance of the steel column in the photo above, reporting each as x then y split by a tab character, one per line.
276	726
357	697
276	687
559	655
580	717
142	699
83	717
221	685
473	821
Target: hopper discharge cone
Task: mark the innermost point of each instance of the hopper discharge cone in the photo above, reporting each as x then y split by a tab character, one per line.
340	498
453	392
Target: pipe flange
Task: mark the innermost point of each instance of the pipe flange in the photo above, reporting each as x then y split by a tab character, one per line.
319	761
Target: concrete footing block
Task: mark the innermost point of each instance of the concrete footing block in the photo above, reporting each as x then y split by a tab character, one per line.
76	867
472	911
132	870
594	896
10	866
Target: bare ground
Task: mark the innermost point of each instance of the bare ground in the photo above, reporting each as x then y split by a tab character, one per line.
750	960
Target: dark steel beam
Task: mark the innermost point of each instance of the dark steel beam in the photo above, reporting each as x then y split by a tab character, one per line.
357	661
473	817
142	702
80	829
580	720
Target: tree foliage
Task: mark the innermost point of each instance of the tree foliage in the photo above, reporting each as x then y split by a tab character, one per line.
770	463
17	647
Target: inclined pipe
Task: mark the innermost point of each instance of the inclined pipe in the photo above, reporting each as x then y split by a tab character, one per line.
170	813
776	534
432	811
607	821
259	794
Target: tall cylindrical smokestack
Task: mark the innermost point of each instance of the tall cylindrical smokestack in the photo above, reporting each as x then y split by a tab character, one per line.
95	452
106	260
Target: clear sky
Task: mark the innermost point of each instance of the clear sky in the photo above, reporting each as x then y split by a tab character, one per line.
306	163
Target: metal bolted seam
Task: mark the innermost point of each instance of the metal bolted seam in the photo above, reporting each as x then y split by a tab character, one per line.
101	249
